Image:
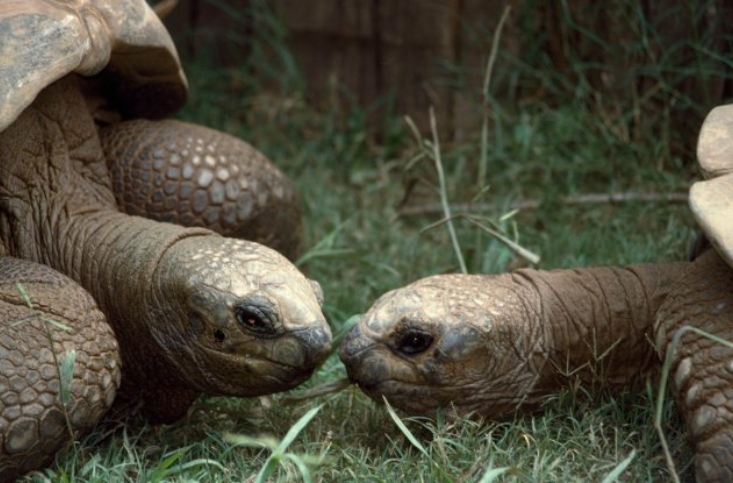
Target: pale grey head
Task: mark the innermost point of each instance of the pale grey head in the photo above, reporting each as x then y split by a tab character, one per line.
443	342
244	320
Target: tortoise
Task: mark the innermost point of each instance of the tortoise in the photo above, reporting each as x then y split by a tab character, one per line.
115	274
493	344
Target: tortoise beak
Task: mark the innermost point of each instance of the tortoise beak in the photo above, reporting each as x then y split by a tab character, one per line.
353	348
304	349
315	343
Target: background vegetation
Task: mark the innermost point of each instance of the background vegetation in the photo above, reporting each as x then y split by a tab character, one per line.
363	237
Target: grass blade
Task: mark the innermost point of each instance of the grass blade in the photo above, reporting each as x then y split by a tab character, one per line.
413	440
57	324
614	475
66	374
198	462
161	471
302	467
295	430
493	473
250	442
268	468
23	294
325	247
405	431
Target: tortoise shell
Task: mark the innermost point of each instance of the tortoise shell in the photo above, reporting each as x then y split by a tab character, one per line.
41	42
711	200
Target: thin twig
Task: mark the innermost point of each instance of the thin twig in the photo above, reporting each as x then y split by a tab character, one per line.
587	199
483	164
528	255
515	247
444	192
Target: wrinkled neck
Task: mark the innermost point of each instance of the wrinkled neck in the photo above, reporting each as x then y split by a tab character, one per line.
597	323
119	268
119	256
57	208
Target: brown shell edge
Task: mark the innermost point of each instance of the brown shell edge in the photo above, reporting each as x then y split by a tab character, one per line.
711	202
41	42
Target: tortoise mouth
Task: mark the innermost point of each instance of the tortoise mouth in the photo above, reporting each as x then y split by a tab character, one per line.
427	398
234	374
386	387
253	361
300	349
407	396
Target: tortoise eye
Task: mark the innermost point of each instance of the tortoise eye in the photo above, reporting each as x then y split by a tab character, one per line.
413	342
254	321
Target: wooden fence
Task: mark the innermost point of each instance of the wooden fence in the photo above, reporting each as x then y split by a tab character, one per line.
419	53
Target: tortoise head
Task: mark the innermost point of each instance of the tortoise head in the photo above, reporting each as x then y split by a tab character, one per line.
237	318
447	341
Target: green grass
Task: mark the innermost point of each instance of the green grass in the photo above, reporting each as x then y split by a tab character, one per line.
352	190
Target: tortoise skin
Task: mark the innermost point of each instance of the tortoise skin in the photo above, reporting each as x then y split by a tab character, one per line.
494	344
191	175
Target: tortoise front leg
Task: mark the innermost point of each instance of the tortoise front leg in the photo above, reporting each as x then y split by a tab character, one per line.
34	425
195	176
702	369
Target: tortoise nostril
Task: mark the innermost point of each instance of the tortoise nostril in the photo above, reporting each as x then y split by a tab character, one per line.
353	344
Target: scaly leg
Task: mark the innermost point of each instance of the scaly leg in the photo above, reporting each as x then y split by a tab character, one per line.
34	424
195	176
702	369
